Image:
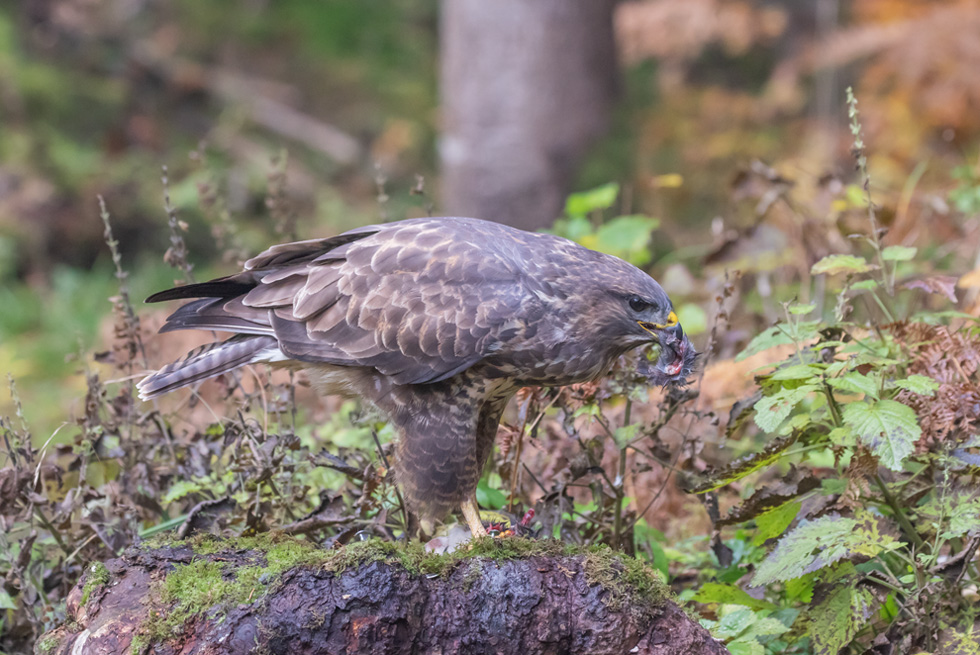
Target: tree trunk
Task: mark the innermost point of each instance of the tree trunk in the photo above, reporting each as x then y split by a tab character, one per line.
527	86
369	599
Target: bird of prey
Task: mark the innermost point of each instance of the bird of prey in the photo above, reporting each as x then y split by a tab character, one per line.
437	322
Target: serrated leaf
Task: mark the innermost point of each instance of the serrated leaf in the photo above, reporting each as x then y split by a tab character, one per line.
855	382
836	619
726	594
801	588
889	428
812	545
773	410
816	544
898	253
834	264
774	522
920	384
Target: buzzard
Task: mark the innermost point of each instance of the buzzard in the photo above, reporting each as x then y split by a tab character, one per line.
437	322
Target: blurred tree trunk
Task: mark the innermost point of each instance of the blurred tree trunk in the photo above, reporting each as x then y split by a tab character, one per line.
527	86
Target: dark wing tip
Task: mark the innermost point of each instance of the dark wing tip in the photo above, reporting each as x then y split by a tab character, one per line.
212	289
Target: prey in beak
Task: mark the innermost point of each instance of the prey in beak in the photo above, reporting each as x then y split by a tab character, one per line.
677	354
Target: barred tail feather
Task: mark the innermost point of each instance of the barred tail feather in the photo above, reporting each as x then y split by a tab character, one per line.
208	361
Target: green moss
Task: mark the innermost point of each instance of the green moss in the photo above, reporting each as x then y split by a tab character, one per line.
206	586
98	577
48	644
625	578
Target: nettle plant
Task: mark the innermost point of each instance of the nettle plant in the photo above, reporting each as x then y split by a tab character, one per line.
875	522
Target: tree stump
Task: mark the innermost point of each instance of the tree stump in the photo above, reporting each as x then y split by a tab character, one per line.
277	594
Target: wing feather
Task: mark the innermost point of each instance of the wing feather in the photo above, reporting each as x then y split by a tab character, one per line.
419	300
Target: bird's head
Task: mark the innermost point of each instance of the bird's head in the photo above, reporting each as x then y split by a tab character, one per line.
637	311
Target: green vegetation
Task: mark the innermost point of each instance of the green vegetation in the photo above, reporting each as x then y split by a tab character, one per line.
98	576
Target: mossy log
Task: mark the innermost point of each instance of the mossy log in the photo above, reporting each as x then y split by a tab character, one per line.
282	595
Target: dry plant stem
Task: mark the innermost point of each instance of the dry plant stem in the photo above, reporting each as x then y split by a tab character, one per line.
398	495
620	487
862	163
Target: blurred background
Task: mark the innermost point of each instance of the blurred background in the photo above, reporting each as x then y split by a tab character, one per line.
299	118
706	141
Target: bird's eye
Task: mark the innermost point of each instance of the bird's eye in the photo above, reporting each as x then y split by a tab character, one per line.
638	304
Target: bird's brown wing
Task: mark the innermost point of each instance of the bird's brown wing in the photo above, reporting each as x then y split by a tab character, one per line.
418	300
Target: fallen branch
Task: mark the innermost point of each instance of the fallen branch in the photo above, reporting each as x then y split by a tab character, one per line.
282	595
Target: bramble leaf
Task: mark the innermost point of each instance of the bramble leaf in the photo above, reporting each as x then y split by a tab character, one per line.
836	619
887	427
855	382
773	410
920	384
811	546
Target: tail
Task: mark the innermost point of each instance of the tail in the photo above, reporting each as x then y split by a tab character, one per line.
208	361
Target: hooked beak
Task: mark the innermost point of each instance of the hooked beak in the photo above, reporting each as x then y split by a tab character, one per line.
667	333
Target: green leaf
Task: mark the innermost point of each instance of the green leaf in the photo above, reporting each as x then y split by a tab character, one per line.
855	382
626	233
774	522
625	434
898	253
765	626
774	336
726	594
797	372
733	623
182	488
887	427
585	202
779	335
747	646
865	285
773	410
920	384
801	588
489	497
799	310
836	619
834	264
7	601
811	546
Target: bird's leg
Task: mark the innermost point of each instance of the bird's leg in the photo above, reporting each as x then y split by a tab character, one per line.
471	511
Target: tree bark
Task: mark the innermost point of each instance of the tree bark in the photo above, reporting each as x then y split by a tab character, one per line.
527	86
538	604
